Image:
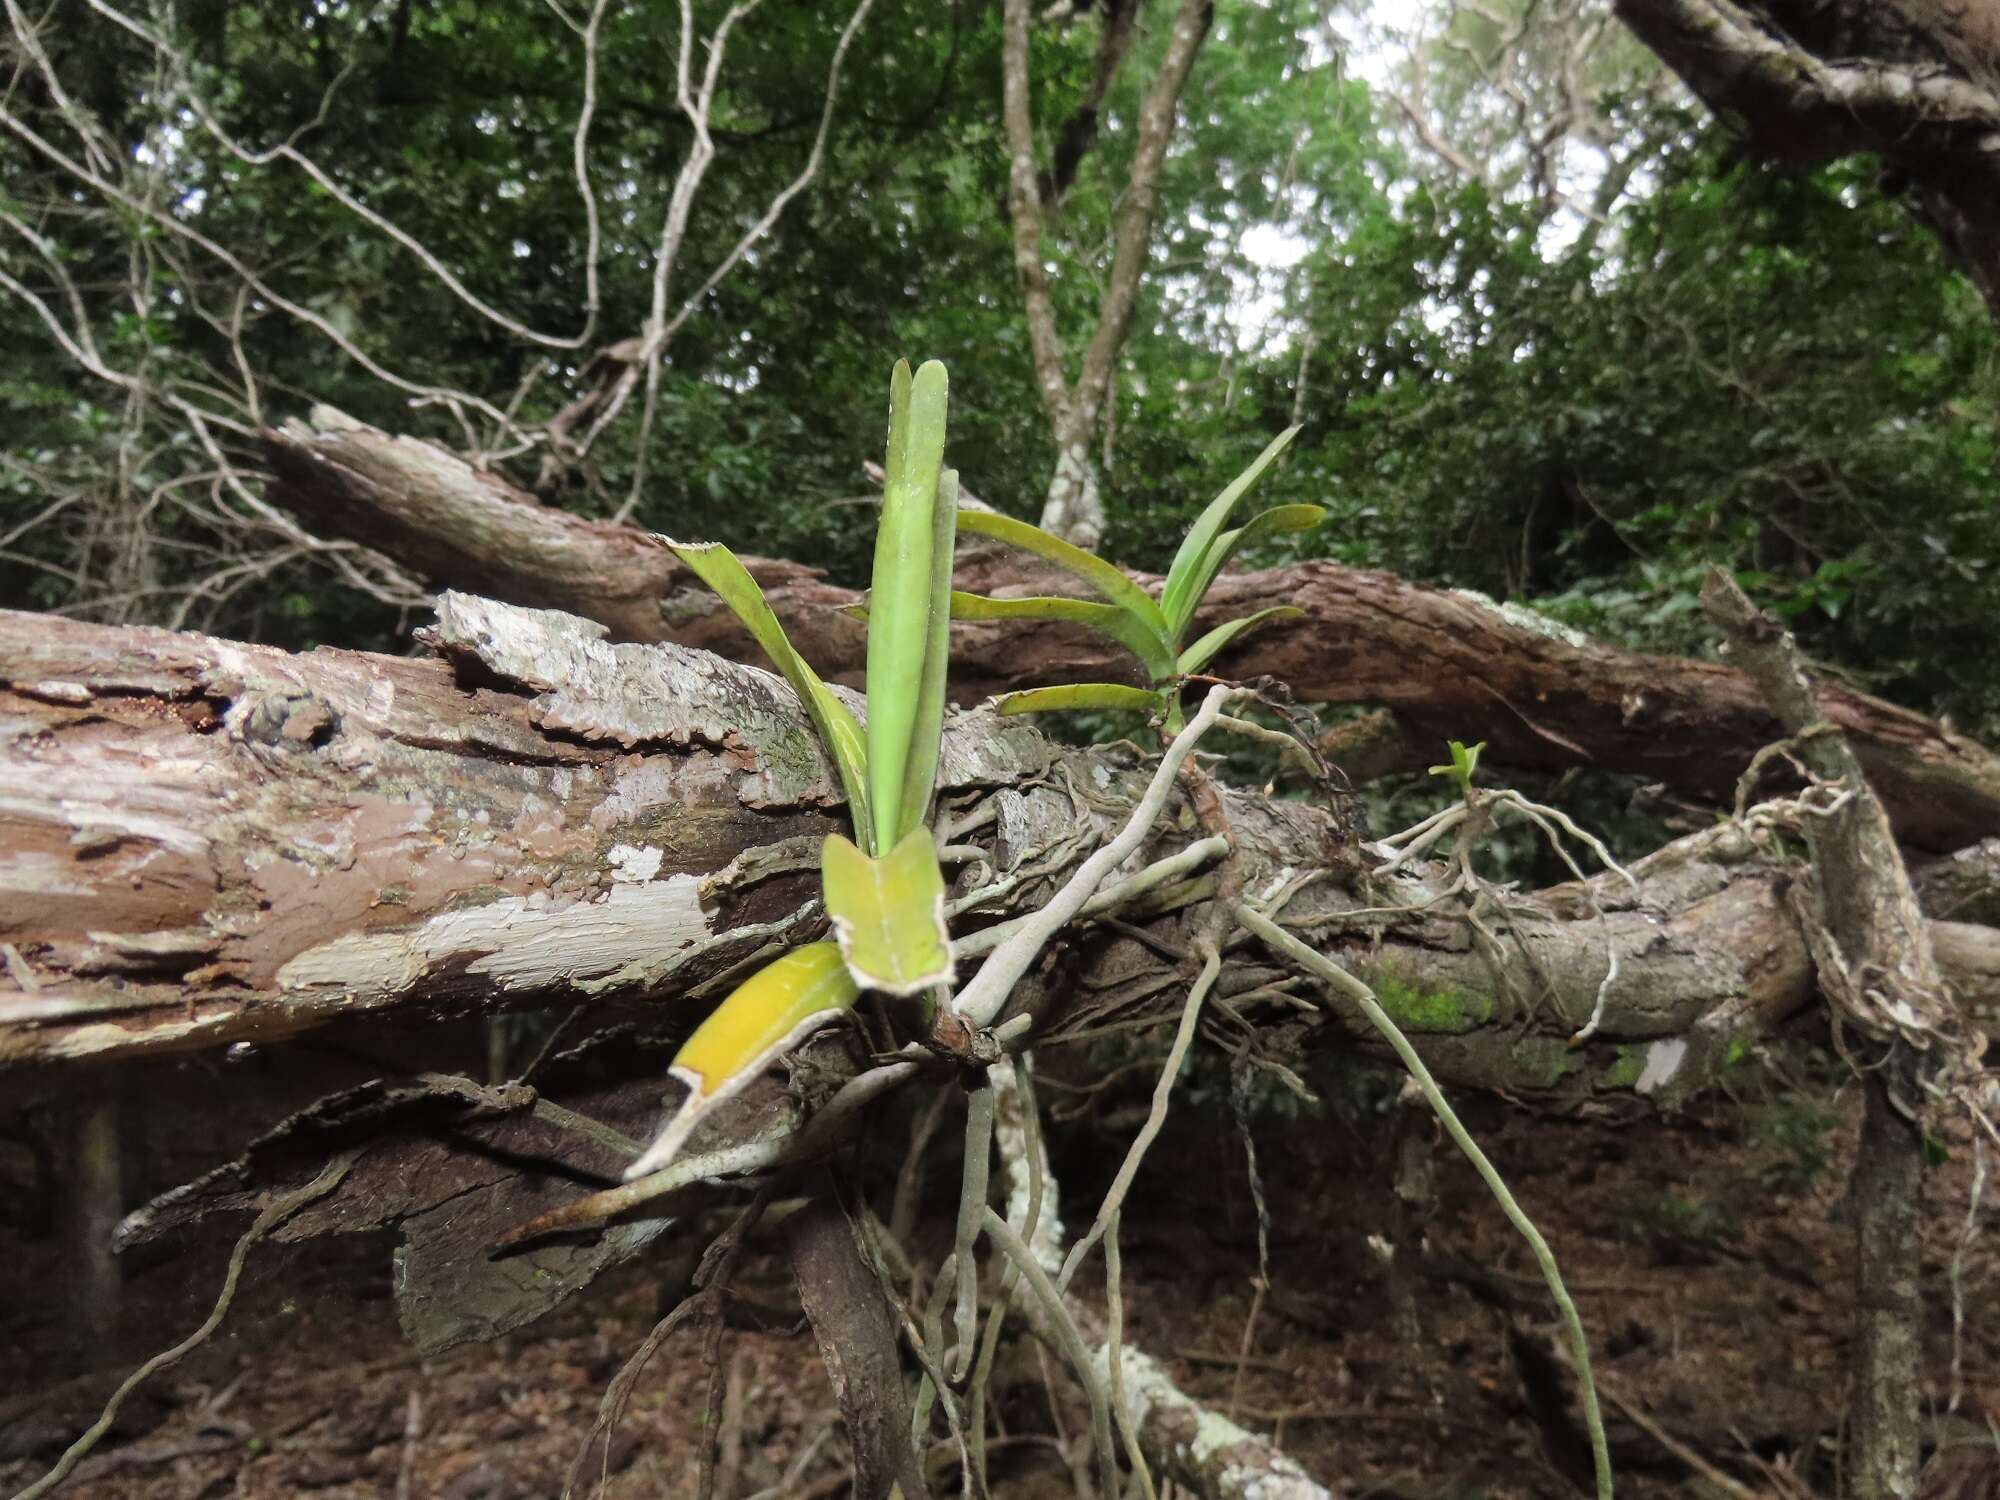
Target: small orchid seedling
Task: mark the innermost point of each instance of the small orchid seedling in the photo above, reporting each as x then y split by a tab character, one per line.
1152	630
883	889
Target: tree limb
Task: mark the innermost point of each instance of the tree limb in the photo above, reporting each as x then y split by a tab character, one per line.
202	842
1448	664
1917	81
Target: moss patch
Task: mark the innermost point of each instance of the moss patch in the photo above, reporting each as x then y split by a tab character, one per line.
1415	1008
1624	1069
1542	1061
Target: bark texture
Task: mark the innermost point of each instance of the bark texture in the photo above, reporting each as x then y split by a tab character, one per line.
1915	81
204	842
1879	970
1074	508
1447	664
857	1343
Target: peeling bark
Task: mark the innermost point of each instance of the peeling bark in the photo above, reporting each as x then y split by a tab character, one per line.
202	842
1447	664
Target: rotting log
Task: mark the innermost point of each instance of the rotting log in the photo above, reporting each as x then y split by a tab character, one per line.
1447	664
203	842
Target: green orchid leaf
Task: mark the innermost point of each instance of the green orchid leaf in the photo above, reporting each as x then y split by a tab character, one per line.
1106	619
722	571
1203	651
1464	764
1179	598
1083	695
769	1013
1275	521
1090	569
927	735
901	626
888	913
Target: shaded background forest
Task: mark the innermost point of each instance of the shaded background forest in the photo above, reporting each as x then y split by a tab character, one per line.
1550	329
1551	336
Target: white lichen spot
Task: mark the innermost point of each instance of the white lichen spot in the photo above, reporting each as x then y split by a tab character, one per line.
57	691
633	865
1277	884
1523	618
1663	1061
1903	1014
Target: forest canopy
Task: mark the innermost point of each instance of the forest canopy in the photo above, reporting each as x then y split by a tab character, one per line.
1569	376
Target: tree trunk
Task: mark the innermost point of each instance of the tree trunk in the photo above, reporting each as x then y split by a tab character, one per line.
1074	508
1449	664
1885	1195
857	1343
203	842
1880	974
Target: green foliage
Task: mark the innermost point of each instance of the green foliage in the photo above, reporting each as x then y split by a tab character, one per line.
1151	631
885	895
909	638
839	733
1463	767
1773	370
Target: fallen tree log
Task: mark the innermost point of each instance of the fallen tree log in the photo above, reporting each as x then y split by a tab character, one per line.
1448	664
204	842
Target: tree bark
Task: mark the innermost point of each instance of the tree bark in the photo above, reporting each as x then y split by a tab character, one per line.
1915	81
1448	664
203	842
1880	972
857	1343
1074	507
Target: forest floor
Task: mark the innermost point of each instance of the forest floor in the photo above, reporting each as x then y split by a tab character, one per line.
1709	1256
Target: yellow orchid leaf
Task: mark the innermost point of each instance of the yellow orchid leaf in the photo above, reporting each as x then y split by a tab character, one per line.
888	912
771	1011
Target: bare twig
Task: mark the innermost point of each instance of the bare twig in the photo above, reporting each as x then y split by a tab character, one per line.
274	1213
1362	996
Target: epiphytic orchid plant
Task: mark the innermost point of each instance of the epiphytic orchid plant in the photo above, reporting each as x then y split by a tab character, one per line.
883	889
1153	630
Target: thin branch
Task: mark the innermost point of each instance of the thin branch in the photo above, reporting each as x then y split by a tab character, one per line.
655	345
1363	997
287	151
